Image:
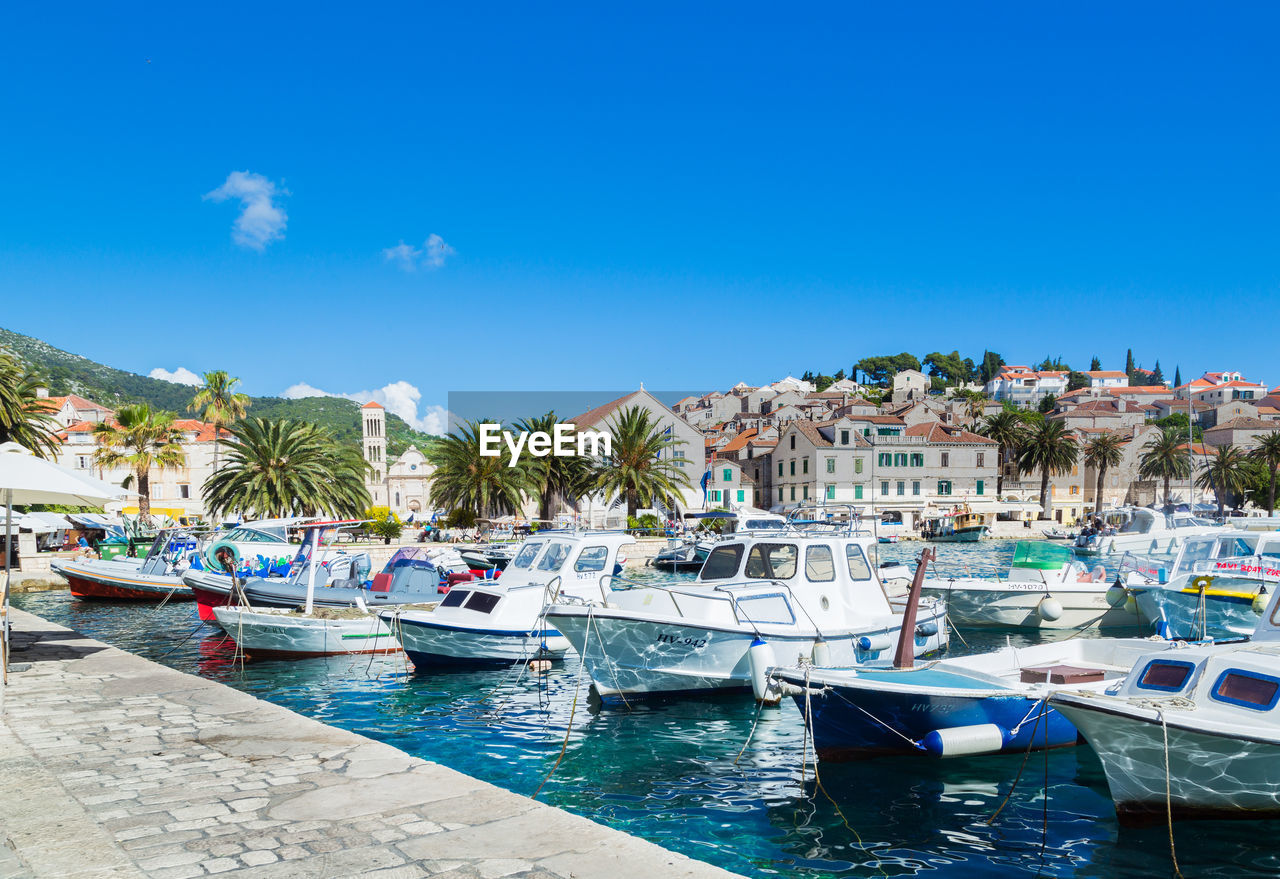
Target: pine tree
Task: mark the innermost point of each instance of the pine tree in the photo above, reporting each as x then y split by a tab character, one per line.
1095	364
1157	377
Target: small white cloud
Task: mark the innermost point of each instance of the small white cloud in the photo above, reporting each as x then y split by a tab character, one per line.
400	398
436	251
261	220
431	255
403	255
181	376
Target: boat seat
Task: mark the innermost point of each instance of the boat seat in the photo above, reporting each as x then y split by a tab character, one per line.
381	583
1061	674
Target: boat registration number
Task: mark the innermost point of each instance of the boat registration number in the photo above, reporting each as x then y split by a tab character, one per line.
694	643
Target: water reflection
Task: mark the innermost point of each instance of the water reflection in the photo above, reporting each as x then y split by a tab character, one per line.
670	770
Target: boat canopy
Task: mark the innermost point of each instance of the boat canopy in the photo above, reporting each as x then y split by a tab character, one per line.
1041	556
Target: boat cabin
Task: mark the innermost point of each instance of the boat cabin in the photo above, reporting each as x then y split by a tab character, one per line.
548	564
1239	554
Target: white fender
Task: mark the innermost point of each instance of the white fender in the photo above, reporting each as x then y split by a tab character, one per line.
761	658
1049	609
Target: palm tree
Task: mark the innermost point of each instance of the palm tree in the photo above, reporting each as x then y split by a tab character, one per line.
1267	453
1050	448
285	467
141	439
1164	458
465	479
25	417
553	477
1102	452
217	404
1224	474
637	469
1007	429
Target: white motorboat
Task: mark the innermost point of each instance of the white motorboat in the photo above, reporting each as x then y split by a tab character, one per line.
1046	588
1215	587
1191	733
294	632
502	621
1140	530
155	577
809	592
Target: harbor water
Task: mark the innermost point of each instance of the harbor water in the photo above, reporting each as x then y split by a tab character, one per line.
713	778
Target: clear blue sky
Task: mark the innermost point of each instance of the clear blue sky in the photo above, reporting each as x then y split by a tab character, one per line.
686	195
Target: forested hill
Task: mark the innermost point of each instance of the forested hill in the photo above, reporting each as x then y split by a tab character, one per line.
67	373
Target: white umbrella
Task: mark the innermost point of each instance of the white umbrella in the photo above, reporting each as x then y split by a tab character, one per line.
26	479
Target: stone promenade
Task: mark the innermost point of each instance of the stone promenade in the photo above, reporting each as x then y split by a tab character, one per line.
114	766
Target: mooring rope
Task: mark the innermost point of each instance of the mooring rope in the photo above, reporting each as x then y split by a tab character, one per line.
817	776
1168	795
573	708
1025	756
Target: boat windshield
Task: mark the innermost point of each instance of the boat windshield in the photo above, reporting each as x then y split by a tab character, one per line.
722	563
524	558
1196	551
1041	556
1139	524
1233	547
554	557
772	561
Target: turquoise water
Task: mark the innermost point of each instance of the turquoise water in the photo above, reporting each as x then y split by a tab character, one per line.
670	771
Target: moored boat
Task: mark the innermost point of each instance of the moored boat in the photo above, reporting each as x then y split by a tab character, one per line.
981	704
1216	587
155	577
1193	733
1046	587
503	621
1139	530
807	591
958	525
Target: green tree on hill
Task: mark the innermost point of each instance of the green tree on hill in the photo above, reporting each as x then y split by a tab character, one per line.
1095	365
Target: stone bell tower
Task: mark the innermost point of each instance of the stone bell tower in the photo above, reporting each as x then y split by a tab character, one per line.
374	430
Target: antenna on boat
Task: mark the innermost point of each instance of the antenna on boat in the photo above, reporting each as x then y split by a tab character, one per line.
904	656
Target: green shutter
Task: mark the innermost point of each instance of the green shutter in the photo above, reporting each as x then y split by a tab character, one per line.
857	492
979	486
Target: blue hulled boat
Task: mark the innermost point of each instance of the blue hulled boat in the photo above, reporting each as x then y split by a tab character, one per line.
983	704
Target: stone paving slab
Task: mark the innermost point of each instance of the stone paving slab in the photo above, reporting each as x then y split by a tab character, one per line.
115	767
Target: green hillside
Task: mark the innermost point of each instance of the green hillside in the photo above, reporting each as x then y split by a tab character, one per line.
67	373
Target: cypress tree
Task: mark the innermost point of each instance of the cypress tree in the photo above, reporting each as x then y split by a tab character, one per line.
1095	364
1128	364
1177	376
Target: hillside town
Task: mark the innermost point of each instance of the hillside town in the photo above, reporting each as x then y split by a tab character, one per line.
902	450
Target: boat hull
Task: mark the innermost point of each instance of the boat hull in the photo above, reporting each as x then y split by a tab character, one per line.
212	591
960	535
629	656
1209	775
1018	608
291	636
128	585
1177	613
842	729
430	644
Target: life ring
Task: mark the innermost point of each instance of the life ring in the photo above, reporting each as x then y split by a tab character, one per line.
219	553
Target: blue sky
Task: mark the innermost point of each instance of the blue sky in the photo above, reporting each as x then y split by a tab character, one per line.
684	195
